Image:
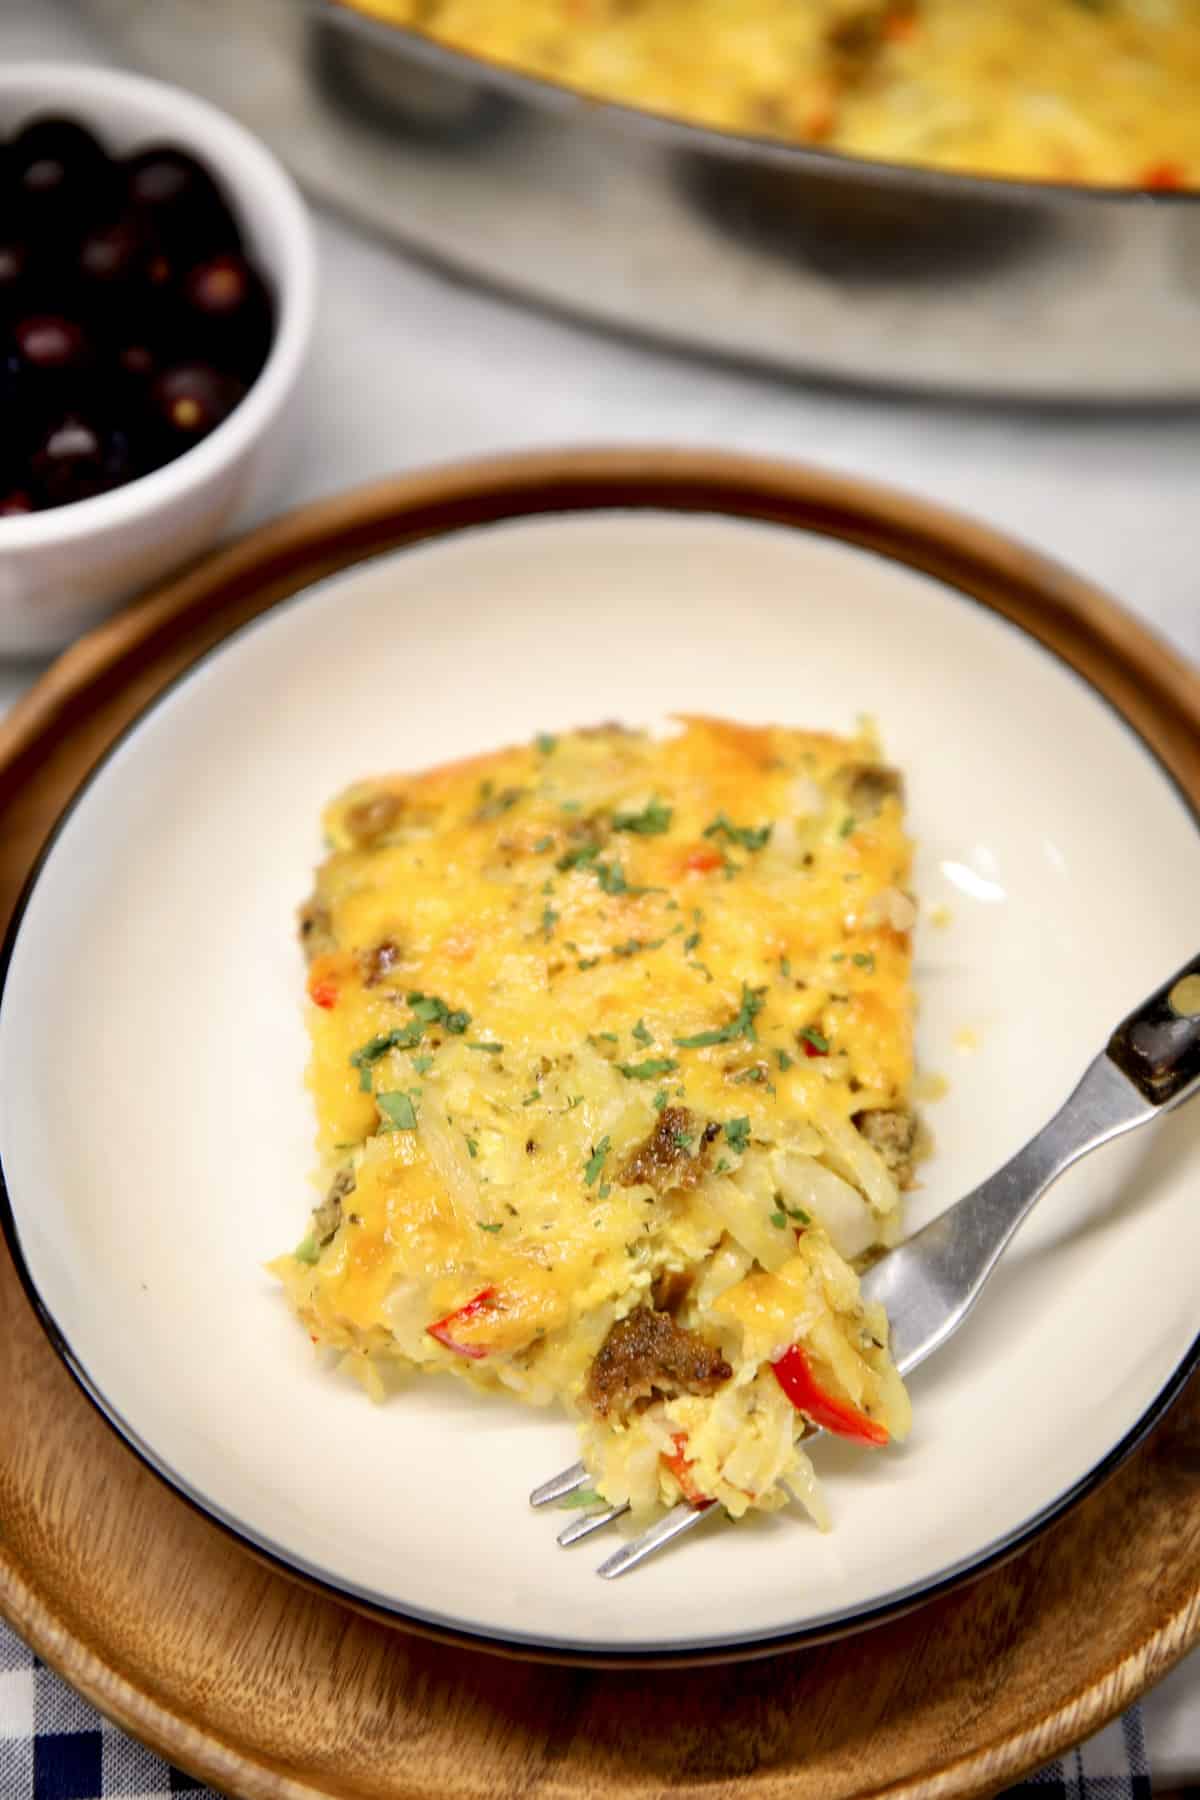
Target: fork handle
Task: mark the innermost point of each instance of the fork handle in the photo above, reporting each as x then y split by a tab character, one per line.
1158	1046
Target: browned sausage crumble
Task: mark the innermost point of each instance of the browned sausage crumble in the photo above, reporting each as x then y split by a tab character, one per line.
894	1135
316	930
673	1156
869	785
646	1354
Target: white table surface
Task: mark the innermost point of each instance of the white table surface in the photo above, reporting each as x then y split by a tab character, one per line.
409	368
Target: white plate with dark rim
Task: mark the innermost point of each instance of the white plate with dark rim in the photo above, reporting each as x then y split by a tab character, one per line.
155	1134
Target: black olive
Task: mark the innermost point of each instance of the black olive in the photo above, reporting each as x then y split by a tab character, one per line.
138	359
225	315
189	401
182	203
125	386
111	262
79	457
50	139
59	175
15	278
51	343
51	364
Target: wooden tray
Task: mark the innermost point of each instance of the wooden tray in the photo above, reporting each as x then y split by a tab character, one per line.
264	1687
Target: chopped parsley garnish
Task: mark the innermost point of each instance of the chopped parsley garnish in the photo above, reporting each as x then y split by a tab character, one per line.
652	821
491	1049
737	1133
756	1073
611	877
493	804
587	962
574	1100
605	1190
794	1212
472	1148
779	1220
549	919
646	1071
864	960
571	859
631	946
640	1033
660	1099
497	1227
785	967
543	843
602	1037
534	1094
307	1250
783	1059
683	1139
545	742
433	1011
847	825
750	837
818	1040
404	1037
422	1064
584	1496
690	943
398	1110
741	1025
595	1162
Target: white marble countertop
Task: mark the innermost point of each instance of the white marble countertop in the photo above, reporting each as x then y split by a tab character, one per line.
409	368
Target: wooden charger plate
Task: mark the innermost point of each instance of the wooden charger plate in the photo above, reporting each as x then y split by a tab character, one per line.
266	1687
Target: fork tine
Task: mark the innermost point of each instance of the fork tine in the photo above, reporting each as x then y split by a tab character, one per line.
583	1527
681	1518
560	1485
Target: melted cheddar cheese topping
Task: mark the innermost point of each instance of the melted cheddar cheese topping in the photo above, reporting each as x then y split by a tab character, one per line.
611	1057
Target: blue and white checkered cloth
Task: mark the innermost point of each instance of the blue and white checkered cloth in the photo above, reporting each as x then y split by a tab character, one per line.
54	1746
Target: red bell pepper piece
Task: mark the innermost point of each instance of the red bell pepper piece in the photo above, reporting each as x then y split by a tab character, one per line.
324	993
1162	177
899	27
702	860
440	1327
806	1394
681	1469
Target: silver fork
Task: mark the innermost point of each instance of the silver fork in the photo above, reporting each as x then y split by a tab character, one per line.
1150	1065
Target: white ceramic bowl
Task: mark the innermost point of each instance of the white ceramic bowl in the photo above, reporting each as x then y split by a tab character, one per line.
156	1134
62	570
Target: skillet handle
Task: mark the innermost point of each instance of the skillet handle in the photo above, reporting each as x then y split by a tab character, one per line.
1158	1046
